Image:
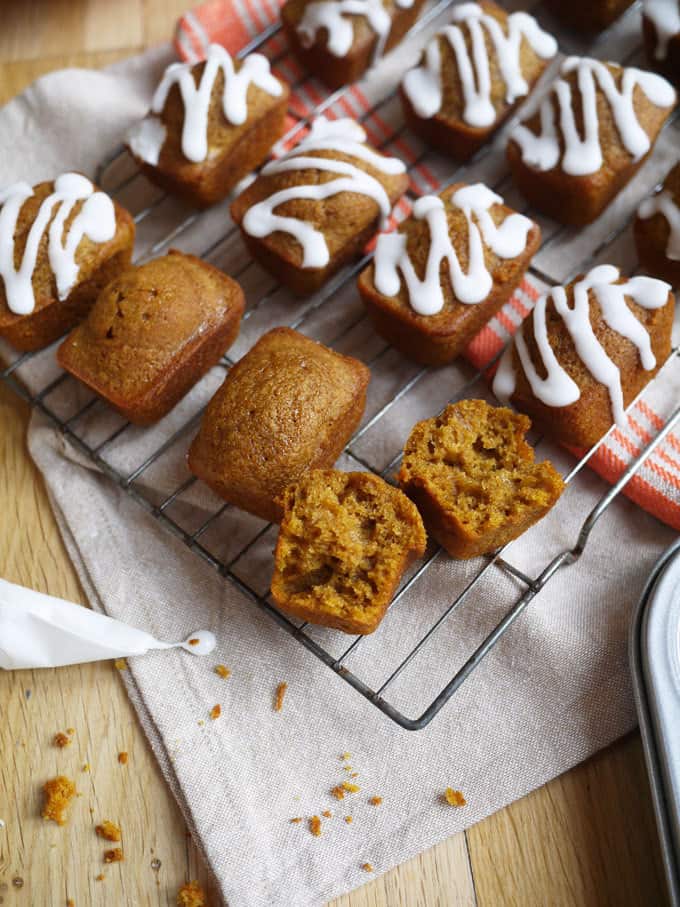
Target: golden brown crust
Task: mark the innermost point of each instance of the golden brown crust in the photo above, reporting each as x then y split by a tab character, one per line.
288	406
153	333
669	66
651	237
588	15
447	130
97	262
473	477
338	71
233	151
346	539
578	200
583	423
347	220
438	339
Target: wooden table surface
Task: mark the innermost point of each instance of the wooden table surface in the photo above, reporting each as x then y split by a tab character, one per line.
587	838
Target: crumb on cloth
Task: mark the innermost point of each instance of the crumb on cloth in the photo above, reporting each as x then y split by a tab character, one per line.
375	801
191	895
215	712
280	694
315	826
351	788
222	671
58	793
454	797
348	820
108	830
327	814
367	867
296	820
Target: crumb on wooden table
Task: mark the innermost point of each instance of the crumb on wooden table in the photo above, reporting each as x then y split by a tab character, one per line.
86	767
108	830
70	903
315	826
123	757
296	820
351	788
222	671
367	867
348	820
215	712
58	793
375	801
121	664
280	693
61	740
454	797
100	877
115	855
191	895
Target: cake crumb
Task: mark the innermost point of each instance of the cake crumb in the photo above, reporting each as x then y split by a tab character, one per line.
348	768
115	855
367	867
345	757
296	820
70	731
375	801
280	693
454	797
354	775
191	895
121	664
123	757
61	740
327	814
315	826
348	820
215	712
86	767
108	830
100	877
194	641
351	788
201	722
58	793
222	671
70	903
338	792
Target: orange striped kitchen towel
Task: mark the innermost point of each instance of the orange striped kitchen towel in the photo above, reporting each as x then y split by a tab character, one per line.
234	24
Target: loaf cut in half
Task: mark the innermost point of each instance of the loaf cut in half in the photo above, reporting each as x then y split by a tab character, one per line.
62	241
346	539
289	405
473	477
210	125
153	332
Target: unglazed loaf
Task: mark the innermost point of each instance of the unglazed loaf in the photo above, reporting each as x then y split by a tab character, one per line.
288	406
153	332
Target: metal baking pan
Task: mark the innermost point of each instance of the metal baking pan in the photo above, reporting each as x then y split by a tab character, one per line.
655	666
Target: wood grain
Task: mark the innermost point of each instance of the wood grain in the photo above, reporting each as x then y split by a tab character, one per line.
585	839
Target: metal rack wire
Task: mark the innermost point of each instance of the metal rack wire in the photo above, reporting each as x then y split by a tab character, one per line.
334	650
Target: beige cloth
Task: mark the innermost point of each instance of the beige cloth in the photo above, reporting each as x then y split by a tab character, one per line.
555	690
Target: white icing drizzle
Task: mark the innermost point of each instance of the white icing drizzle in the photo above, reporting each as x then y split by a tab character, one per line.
331	15
147	141
665	17
663	203
344	136
584	155
558	388
423	84
507	240
96	220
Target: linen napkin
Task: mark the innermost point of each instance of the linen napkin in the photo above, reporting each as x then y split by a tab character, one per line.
552	692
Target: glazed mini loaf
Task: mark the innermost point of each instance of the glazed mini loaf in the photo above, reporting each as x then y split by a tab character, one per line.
313	210
288	406
473	477
153	332
210	125
588	15
337	40
60	242
451	266
473	74
661	34
657	230
345	540
586	352
572	171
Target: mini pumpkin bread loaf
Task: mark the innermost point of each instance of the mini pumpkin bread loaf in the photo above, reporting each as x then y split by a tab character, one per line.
337	40
313	210
60	242
451	266
473	74
588	15
589	137
657	230
288	406
473	477
586	352
661	34
210	124
153	332
345	540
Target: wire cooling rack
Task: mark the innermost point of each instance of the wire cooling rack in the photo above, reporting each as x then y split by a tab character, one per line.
266	302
